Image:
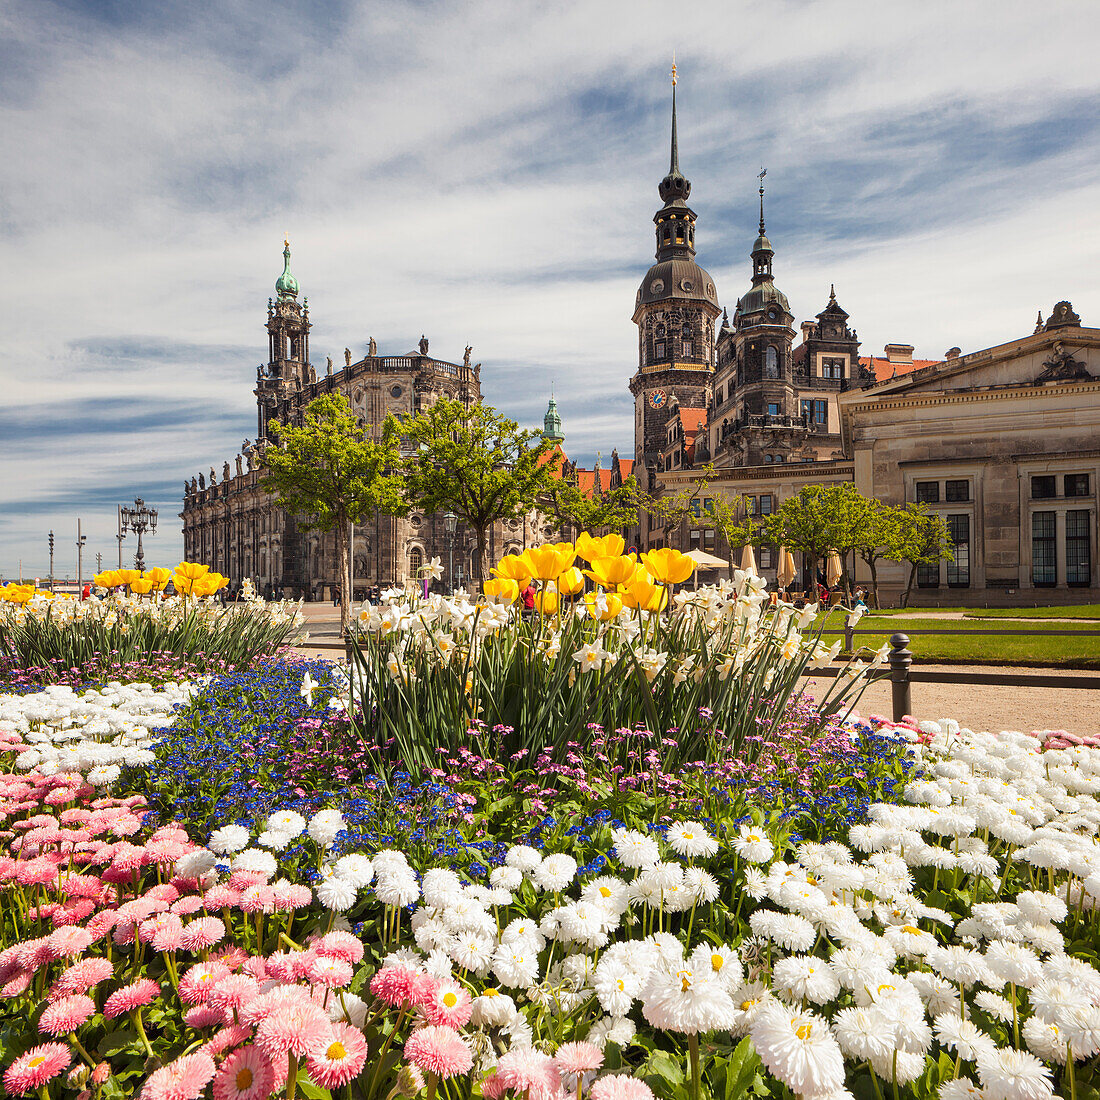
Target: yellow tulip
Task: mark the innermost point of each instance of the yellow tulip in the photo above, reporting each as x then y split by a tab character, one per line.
18	593
501	587
546	601
570	582
191	570
610	572
127	576
643	594
141	586
159	576
609	546
208	584
668	566
107	579
547	563
612	605
513	567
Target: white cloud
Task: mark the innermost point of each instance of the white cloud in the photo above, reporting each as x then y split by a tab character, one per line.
486	173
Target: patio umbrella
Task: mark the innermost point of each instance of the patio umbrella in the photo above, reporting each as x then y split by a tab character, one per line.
786	572
833	569
748	560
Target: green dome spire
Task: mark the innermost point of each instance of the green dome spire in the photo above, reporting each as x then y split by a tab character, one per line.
286	284
551	423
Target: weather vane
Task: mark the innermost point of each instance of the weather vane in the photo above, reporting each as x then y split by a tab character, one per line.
760	175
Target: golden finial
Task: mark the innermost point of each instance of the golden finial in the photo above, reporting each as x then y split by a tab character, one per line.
674	68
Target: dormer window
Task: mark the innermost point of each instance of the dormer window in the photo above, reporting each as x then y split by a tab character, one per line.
659	349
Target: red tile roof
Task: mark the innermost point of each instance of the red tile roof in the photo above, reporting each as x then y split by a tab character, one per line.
692	419
885	370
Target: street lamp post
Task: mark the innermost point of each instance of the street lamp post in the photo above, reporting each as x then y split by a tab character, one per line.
138	519
450	522
81	539
120	536
51	561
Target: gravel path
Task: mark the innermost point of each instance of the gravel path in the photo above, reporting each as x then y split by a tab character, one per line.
986	707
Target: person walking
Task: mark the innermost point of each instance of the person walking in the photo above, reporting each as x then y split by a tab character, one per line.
529	599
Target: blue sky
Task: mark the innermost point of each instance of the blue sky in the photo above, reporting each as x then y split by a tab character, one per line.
486	173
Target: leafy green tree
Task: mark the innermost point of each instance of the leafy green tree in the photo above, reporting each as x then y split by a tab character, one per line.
330	473
476	463
613	508
923	539
817	519
732	517
668	511
878	538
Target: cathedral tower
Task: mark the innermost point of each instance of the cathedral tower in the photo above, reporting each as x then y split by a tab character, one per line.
675	311
288	368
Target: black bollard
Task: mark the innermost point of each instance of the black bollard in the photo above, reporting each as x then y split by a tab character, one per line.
900	660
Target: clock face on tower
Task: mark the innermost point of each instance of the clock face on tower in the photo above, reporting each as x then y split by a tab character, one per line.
657	398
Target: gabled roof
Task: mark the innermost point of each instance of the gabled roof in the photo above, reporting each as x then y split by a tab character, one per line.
692	419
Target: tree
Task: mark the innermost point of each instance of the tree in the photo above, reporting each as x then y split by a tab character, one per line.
330	474
817	519
733	518
669	511
477	464
611	508
923	539
879	537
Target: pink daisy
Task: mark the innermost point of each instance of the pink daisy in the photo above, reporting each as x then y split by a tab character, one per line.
66	942
232	992
185	906
203	933
439	1051
80	977
620	1086
492	1088
200	1016
578	1058
196	984
296	1026
231	1036
184	1079
397	985
32	1070
66	1015
142	992
330	972
289	896
340	945
526	1070
450	1006
221	897
245	1075
338	1058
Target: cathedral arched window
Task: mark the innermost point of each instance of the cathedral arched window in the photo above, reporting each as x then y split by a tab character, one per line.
771	363
416	561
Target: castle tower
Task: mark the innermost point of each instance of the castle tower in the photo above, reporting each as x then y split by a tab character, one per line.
675	311
551	423
288	367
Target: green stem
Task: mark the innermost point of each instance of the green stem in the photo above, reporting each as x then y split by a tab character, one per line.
1071	1072
135	1015
693	1053
292	1077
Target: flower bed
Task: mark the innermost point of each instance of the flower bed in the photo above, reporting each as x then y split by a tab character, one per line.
259	901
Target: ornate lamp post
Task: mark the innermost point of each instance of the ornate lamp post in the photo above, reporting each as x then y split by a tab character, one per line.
450	523
139	519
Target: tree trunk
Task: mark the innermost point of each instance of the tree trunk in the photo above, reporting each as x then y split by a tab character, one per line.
482	547
909	586
874	581
343	563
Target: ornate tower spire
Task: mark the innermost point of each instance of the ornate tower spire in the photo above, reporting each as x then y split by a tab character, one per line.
551	423
674	159
286	285
762	248
760	175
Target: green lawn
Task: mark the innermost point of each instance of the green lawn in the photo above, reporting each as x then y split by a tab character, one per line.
971	646
1070	611
1076	611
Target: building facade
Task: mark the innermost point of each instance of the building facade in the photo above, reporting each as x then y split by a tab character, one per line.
1003	442
234	525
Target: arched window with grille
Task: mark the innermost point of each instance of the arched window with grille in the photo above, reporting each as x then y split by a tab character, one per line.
416	561
771	363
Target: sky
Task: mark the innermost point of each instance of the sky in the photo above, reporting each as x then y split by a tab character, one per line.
486	173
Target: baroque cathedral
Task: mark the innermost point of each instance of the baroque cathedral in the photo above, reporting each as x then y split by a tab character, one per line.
237	528
1003	442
